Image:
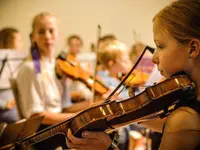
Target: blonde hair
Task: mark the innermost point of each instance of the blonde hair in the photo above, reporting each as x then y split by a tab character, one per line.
181	20
107	37
111	51
39	17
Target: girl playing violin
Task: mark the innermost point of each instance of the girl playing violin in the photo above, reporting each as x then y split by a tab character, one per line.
10	38
78	90
74	44
177	38
41	93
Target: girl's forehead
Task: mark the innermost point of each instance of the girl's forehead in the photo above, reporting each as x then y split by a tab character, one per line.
156	28
159	33
46	22
75	40
160	30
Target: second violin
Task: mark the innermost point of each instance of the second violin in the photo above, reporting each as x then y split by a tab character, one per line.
71	68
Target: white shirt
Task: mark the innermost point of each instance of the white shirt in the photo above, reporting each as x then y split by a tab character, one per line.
41	91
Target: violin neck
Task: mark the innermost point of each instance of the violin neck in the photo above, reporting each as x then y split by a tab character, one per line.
43	135
103	84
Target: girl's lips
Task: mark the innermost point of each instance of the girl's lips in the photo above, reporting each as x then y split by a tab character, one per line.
48	44
161	72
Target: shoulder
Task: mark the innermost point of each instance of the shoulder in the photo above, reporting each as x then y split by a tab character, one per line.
183	118
26	68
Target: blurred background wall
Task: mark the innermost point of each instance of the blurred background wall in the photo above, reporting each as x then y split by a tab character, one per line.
119	17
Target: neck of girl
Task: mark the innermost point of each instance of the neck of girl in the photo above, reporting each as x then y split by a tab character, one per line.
195	77
49	55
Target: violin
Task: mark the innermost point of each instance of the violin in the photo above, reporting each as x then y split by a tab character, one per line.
154	101
143	70
72	69
136	79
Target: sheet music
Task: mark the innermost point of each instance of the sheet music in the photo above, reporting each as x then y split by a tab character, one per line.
14	58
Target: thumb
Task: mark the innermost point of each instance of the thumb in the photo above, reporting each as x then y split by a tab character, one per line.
93	135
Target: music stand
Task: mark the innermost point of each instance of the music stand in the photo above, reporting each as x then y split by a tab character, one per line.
9	61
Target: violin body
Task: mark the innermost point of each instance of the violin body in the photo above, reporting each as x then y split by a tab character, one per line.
109	115
72	69
155	99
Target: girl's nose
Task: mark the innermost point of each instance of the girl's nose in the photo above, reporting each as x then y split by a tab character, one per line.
47	34
155	57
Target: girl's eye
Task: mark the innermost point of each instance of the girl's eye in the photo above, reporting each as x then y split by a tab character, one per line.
51	30
158	46
41	32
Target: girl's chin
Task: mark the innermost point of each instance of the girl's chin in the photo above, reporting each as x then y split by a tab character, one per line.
48	49
164	75
46	52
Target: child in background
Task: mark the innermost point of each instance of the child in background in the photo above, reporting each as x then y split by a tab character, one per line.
113	56
10	39
40	92
78	91
103	40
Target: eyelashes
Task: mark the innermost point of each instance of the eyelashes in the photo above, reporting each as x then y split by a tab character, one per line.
43	31
158	46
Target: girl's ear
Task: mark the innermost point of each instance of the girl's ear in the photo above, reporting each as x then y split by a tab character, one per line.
194	48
